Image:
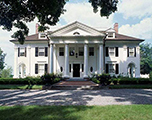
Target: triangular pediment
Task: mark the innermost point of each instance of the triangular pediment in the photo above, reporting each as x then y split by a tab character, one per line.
75	29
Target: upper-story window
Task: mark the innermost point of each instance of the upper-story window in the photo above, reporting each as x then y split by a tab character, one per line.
22	52
41	51
112	51
76	33
81	51
131	51
42	36
110	35
61	51
91	51
72	51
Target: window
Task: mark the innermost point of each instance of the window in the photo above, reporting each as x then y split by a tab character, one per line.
41	51
131	51
41	68
42	35
61	51
91	51
111	68
110	35
81	51
21	52
111	51
69	67
72	51
82	67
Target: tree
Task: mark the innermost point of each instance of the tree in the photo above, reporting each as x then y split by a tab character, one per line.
2	57
19	12
6	73
146	58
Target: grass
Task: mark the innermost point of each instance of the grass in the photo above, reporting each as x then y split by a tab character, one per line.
130	86
114	112
21	87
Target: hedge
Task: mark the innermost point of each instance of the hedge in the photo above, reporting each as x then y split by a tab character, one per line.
124	80
25	81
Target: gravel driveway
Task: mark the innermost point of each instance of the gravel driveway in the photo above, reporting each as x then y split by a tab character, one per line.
76	97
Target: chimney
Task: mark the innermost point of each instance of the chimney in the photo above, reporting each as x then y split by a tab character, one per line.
116	27
36	28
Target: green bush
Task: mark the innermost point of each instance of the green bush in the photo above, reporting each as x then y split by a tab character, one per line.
126	80
95	80
50	78
104	79
150	74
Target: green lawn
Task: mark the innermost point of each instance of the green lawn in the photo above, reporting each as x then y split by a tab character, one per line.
130	86
20	87
115	112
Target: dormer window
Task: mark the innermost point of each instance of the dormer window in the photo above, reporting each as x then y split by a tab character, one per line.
110	35
42	35
76	33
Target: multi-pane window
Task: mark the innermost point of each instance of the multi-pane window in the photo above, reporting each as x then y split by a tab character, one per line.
91	51
111	51
110	35
41	68
111	68
131	51
22	52
81	51
72	51
42	35
61	51
41	51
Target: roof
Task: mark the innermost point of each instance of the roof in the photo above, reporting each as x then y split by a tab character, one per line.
120	37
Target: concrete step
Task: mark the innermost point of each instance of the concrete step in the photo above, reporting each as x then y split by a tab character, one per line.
73	85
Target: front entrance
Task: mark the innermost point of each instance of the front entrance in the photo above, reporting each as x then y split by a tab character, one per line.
76	70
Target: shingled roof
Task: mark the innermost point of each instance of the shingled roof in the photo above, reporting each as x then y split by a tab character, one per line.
120	37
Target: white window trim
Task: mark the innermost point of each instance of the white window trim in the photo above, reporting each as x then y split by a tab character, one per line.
131	50
22	52
42	34
109	49
42	52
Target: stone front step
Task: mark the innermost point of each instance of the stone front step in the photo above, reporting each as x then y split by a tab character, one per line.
73	85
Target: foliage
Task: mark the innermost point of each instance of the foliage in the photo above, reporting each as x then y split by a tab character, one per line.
22	87
2	57
150	74
146	58
50	78
6	73
104	78
126	80
107	7
17	13
95	80
25	81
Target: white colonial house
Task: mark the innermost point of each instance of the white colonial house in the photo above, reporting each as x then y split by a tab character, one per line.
77	50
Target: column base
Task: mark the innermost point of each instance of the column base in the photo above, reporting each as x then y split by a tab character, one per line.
66	77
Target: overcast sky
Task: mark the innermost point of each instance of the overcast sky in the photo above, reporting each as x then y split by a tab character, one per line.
133	16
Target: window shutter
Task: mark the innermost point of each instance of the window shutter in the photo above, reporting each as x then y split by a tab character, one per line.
134	51
117	68
116	52
36	68
107	52
107	68
18	52
46	51
25	51
127	51
36	52
46	68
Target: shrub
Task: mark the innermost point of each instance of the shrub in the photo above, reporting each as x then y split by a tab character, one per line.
104	78
95	80
50	78
150	74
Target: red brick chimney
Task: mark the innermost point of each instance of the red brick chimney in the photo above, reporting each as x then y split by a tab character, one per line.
116	27
36	28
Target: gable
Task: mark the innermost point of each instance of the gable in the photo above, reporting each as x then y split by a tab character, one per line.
76	28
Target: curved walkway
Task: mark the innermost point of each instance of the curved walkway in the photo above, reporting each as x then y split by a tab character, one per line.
76	97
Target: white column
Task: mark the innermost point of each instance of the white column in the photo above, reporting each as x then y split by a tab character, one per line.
28	55
16	69
51	58
101	59
66	73
85	61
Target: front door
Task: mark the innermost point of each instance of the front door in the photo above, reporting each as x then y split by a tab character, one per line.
76	70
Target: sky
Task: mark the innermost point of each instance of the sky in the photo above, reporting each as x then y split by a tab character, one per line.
133	16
